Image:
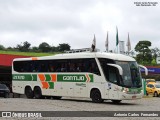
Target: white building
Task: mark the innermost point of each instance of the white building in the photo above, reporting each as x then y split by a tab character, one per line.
158	60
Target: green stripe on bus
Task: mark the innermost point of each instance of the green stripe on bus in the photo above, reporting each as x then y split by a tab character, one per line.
48	77
91	77
51	85
73	78
60	77
34	77
24	77
21	77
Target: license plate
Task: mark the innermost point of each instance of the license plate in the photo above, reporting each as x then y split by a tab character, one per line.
133	97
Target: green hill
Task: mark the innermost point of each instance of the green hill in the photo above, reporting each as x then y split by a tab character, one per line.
36	54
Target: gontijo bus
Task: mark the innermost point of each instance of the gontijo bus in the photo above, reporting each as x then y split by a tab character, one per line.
96	75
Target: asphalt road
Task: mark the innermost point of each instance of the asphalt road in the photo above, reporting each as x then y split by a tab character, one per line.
80	104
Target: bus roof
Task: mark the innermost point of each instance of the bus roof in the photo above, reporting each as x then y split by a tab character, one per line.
113	56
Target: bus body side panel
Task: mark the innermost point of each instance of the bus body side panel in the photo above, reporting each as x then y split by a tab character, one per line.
48	85
99	83
17	87
21	80
113	91
81	89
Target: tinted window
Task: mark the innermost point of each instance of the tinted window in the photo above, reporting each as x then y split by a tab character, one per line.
63	65
113	75
110	72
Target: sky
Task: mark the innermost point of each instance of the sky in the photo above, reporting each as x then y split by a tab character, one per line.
76	21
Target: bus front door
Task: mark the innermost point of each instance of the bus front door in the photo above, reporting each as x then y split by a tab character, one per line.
112	84
113	91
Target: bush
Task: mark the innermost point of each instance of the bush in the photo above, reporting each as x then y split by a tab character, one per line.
2	47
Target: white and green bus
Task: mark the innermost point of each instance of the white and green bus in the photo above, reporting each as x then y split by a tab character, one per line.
96	75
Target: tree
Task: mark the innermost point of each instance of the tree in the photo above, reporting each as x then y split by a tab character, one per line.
2	47
155	52
144	55
54	49
11	49
25	47
35	49
64	46
44	47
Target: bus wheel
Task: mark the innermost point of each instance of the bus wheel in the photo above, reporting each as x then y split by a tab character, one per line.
116	101
37	93
96	96
57	97
28	92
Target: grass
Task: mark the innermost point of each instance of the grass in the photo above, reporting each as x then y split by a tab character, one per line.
27	53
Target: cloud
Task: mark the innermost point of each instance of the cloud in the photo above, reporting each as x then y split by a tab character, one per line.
75	22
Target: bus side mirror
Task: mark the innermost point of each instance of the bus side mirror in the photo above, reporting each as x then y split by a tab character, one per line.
145	69
118	67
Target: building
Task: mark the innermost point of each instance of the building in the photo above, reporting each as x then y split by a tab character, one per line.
6	67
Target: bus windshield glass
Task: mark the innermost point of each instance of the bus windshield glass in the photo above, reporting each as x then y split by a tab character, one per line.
131	75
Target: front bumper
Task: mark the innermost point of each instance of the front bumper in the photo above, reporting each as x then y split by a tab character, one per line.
125	96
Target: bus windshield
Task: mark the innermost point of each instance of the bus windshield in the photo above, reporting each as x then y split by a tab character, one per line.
131	75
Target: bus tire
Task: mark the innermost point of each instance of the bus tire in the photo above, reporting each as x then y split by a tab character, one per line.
96	96
116	101
57	97
37	92
28	92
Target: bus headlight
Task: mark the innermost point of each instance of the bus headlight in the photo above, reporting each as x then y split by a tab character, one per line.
125	91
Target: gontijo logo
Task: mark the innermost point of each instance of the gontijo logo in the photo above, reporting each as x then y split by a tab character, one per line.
74	78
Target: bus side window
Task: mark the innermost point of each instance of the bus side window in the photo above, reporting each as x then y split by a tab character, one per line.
93	68
41	67
51	68
112	74
18	66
